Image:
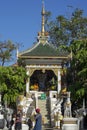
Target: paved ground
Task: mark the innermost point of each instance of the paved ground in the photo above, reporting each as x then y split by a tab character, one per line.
25	127
42	129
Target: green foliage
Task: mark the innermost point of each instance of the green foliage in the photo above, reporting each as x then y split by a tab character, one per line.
6	51
80	92
77	72
58	32
62	30
71	35
12	82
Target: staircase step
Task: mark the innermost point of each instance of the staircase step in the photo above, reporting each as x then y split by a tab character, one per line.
50	128
43	105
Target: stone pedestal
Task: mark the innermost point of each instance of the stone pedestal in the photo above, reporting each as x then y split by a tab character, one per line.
70	124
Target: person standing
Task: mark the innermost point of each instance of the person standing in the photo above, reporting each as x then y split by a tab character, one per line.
18	121
38	120
29	122
10	121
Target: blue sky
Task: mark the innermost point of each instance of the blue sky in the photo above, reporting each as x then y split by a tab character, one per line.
20	20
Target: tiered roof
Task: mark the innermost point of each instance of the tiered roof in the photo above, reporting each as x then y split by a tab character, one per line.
43	52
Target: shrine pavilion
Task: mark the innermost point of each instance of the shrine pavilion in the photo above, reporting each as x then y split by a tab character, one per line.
43	63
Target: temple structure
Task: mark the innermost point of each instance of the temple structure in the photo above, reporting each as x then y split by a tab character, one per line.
44	66
43	63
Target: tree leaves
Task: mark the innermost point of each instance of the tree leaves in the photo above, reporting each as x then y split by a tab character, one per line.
12	82
6	51
71	35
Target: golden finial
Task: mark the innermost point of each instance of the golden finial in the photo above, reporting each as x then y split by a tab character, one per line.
43	19
43	35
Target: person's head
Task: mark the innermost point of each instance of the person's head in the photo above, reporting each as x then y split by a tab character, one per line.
37	110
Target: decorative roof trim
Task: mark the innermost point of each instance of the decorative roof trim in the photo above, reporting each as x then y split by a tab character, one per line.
44	66
29	50
46	57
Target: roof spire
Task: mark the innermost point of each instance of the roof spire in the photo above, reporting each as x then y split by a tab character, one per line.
43	19
43	35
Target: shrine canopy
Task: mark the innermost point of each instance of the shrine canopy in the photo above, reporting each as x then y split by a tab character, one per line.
43	53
